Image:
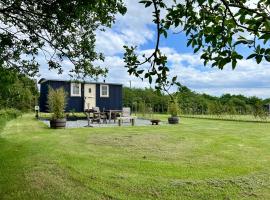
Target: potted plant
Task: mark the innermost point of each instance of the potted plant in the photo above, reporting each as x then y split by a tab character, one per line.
173	109
56	105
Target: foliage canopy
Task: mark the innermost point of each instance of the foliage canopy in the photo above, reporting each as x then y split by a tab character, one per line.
59	29
17	90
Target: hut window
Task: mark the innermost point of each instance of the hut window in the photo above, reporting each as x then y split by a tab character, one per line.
104	91
75	90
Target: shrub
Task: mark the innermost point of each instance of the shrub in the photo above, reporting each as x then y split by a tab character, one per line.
173	108
57	102
258	111
142	108
8	114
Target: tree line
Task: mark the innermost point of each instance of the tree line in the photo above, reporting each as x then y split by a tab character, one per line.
193	103
17	91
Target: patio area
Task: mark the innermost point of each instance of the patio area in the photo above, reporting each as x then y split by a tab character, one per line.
84	123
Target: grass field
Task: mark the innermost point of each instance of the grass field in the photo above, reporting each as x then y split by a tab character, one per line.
246	118
224	117
198	159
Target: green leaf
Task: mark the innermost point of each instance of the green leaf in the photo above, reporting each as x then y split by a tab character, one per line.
196	49
234	62
188	31
214	64
251	56
265	37
189	42
224	61
140	71
165	34
148	4
240	42
258	58
267	58
208	38
150	79
201	2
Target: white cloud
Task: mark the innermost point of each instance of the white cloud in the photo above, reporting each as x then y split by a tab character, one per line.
248	78
118	73
131	29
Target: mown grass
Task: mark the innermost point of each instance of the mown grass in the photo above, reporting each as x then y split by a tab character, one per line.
198	159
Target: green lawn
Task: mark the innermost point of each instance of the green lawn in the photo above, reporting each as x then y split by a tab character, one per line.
198	159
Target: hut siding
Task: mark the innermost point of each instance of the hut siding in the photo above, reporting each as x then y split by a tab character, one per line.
114	101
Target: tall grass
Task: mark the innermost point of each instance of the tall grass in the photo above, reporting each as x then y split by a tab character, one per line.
244	118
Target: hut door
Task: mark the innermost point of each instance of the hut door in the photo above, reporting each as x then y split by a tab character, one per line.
89	96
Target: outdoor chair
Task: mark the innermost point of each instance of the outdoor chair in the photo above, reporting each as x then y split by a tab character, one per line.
126	112
126	115
96	109
103	117
98	116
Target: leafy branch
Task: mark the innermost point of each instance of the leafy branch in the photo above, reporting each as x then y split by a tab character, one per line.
67	28
153	66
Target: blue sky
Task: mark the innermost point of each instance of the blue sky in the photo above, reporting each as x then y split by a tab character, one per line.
136	28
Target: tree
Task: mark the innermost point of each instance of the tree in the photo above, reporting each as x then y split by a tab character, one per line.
142	99
57	29
258	110
217	28
17	90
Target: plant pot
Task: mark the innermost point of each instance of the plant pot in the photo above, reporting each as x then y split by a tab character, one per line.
58	123
173	120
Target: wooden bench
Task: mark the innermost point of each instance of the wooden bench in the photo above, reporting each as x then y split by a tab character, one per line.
121	119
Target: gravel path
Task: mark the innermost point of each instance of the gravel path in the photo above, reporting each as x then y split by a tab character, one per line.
84	123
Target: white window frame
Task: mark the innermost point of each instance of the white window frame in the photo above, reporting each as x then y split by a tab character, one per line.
72	92
107	95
